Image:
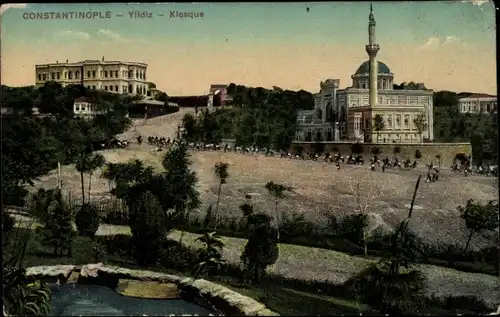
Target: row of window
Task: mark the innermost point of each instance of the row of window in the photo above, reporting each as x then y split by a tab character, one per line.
124	89
92	74
356	125
475	108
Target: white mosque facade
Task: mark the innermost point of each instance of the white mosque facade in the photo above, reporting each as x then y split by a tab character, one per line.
348	114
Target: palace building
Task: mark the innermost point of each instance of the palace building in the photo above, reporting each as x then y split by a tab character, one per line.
349	114
112	76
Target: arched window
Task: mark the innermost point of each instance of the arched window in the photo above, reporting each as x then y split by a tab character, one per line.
319	114
342	114
329	112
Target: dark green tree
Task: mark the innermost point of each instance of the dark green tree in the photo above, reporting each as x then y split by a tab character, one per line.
87	220
147	223
261	249
478	217
57	231
378	124
221	171
210	255
277	191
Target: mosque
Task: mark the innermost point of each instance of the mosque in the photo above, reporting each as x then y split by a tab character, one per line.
349	114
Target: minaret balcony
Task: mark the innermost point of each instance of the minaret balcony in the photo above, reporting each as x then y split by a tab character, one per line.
372	49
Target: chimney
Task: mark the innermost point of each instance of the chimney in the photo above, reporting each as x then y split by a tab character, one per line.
103	58
67	61
57	62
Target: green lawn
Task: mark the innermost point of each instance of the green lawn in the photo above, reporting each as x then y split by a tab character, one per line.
290	302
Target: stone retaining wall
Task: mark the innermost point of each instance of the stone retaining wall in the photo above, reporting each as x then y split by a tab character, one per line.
429	151
220	297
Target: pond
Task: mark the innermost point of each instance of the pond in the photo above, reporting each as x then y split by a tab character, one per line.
96	300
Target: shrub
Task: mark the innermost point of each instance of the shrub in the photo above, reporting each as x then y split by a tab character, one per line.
390	294
57	231
352	227
115	216
296	227
418	155
119	245
175	255
148	228
465	304
87	220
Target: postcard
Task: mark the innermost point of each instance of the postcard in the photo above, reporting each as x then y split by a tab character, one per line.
288	152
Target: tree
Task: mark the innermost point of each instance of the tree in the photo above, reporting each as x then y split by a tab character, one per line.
221	170
420	124
396	151
278	192
147	224
376	151
478	217
365	192
261	249
383	285
357	148
87	220
210	255
418	155
378	124
477	141
97	161
191	128
57	231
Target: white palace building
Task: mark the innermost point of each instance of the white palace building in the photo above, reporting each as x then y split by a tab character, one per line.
348	114
112	76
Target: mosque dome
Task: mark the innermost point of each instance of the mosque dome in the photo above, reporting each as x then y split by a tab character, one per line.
365	68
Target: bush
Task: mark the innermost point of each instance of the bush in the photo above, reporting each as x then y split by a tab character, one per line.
87	220
465	304
7	222
119	245
394	295
175	255
114	216
353	226
296	227
418	155
148	226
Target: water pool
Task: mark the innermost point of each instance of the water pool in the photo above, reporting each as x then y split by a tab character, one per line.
96	300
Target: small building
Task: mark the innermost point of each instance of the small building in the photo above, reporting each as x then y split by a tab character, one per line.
83	107
478	103
218	96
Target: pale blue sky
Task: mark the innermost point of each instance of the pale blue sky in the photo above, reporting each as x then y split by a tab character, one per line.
339	27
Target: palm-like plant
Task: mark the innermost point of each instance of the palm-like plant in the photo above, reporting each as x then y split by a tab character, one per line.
210	256
88	164
97	161
221	170
278	192
21	296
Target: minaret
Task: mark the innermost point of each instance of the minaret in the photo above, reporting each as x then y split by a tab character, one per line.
372	49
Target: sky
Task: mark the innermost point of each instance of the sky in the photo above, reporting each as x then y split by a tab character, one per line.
446	45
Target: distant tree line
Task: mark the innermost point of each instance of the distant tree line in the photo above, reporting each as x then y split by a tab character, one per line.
481	130
264	117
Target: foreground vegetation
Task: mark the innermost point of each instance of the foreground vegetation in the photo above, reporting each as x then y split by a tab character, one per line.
160	202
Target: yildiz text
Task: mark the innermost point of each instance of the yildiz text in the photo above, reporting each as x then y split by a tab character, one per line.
186	15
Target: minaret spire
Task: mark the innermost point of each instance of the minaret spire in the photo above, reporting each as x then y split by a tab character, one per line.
372	49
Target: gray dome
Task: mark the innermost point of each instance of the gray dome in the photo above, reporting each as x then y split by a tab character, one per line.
365	68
